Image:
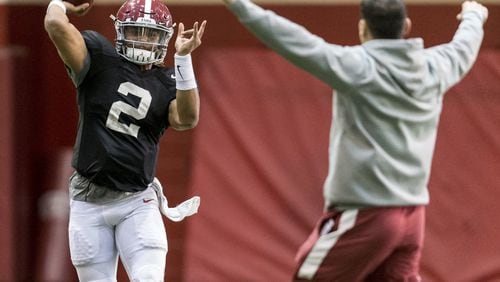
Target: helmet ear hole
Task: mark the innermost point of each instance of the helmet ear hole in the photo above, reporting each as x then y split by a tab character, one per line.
143	30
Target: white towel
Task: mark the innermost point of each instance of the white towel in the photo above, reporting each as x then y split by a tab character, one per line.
178	213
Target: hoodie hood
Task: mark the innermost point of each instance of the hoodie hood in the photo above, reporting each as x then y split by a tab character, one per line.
403	59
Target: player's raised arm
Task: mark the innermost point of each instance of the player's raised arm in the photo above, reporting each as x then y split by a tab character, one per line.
184	110
65	36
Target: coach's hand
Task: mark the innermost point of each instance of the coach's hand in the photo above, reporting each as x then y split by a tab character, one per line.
469	6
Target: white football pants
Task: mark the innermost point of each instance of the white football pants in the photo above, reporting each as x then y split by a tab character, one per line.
131	228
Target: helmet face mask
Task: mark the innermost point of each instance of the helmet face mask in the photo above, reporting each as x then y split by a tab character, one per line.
143	30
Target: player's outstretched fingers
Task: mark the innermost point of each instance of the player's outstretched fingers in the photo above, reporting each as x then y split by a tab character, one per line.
202	29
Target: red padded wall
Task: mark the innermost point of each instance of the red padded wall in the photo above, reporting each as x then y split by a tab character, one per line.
3	22
7	156
52	260
259	159
462	226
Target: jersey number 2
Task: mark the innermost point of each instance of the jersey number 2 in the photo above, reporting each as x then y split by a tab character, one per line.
119	107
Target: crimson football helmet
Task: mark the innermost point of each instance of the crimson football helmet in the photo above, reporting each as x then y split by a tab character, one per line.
143	29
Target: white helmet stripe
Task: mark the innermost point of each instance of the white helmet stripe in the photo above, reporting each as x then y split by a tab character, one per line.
147	9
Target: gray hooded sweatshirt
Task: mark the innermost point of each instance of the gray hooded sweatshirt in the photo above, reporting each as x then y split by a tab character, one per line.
386	110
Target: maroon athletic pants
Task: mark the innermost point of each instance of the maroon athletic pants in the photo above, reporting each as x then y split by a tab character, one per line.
373	244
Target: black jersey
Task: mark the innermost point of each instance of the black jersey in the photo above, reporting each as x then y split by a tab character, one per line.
123	113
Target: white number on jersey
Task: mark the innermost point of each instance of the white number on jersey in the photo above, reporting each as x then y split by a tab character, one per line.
121	107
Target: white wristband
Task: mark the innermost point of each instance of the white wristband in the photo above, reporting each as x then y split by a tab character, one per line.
184	73
59	4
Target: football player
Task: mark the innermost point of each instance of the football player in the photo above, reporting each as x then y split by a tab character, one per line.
126	100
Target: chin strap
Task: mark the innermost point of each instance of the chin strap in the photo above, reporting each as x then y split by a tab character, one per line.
140	56
178	213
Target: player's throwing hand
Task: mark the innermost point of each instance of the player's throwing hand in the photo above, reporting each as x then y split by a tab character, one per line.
78	10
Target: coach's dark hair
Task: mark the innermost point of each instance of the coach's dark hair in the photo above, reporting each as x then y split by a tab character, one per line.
385	18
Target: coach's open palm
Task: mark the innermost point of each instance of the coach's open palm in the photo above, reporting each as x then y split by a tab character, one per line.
188	40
